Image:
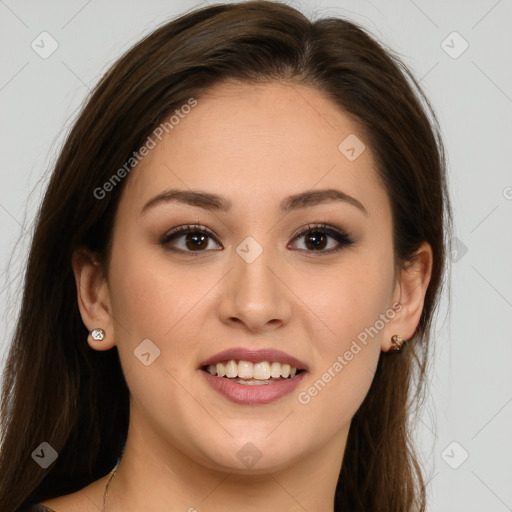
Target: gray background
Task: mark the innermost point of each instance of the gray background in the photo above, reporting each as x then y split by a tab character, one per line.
469	410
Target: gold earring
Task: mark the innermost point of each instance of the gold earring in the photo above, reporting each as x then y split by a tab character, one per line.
398	342
98	334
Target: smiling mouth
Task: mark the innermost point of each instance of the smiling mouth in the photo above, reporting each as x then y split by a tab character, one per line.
252	374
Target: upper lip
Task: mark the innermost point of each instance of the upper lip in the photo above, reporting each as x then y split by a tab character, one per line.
255	356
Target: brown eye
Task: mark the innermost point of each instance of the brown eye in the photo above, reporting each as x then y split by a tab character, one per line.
316	238
195	239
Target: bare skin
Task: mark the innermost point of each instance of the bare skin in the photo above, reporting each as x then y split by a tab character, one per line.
254	145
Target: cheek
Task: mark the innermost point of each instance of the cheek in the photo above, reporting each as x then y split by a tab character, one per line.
349	357
345	300
348	335
148	296
152	300
341	389
150	303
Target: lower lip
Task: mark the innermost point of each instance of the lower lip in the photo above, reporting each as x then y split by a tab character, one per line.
252	395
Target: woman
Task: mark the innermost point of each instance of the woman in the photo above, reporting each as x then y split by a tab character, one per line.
233	278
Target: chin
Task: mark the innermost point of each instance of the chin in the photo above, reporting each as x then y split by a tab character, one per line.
256	455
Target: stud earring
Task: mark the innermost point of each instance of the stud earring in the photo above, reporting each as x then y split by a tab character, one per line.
98	334
398	343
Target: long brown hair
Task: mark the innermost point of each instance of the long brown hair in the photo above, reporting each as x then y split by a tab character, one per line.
58	390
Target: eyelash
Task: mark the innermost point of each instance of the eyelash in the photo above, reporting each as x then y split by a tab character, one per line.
343	239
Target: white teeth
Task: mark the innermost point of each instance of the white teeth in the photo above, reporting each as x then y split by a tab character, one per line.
246	370
261	371
221	370
231	369
275	370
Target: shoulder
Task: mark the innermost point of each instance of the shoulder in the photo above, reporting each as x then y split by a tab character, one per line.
87	499
36	508
76	502
68	503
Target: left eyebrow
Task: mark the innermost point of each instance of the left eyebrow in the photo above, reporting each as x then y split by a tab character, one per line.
314	197
215	202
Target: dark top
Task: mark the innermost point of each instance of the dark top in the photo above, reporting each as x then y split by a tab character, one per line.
37	508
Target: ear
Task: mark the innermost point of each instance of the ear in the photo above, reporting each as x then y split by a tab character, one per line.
409	294
93	297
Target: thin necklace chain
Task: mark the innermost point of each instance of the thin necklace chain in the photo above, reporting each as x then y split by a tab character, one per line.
107	489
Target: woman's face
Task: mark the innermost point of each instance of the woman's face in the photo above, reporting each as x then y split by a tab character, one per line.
257	281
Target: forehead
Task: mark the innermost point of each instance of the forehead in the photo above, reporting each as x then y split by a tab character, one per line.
259	143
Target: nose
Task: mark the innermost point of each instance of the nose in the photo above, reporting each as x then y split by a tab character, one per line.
254	297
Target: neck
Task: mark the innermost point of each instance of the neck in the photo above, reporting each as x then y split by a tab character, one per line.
153	473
